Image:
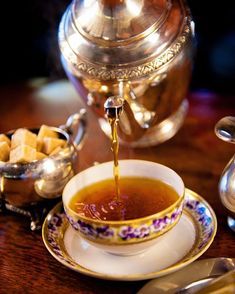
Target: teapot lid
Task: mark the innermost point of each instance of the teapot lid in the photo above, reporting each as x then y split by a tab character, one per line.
122	39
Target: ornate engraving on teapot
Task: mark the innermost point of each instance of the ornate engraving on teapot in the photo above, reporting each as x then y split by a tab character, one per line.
130	73
140	49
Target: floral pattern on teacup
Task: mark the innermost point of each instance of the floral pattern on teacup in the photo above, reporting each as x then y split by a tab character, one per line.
128	232
161	223
103	232
199	211
125	233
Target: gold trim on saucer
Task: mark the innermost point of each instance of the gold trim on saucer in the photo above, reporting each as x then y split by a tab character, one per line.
56	224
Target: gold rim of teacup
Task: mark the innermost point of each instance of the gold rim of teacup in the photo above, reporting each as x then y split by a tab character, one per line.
132	241
130	221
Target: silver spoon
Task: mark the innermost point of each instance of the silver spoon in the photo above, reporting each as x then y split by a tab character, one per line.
196	285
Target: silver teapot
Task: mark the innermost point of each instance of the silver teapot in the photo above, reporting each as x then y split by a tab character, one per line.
138	50
225	130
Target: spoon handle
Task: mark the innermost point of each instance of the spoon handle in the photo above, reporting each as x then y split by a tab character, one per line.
223	284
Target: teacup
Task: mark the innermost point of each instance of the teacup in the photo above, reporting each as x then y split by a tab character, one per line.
124	237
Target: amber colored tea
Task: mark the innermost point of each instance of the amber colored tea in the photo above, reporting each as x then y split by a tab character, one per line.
115	146
138	197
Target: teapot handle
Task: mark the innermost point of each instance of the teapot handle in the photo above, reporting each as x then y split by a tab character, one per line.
75	126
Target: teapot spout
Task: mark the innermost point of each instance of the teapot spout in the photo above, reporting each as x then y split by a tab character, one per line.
113	107
128	128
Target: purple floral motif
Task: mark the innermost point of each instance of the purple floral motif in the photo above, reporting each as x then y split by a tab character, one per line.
54	225
175	215
158	224
203	216
125	232
86	229
55	222
206	237
103	232
205	220
142	231
128	232
191	204
201	210
162	223
55	246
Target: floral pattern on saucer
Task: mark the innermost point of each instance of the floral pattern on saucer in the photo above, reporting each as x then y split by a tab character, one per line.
203	216
56	223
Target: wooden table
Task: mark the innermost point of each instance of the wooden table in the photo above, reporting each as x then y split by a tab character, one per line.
195	153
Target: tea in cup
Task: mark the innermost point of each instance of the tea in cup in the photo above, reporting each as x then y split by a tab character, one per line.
149	204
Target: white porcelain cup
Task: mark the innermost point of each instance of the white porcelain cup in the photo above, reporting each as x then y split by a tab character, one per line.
124	237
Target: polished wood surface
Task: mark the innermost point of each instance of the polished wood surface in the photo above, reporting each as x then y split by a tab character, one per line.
195	153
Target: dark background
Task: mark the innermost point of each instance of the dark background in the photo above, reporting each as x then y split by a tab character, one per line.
29	42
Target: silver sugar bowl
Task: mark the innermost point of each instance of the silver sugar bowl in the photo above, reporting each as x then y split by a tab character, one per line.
27	188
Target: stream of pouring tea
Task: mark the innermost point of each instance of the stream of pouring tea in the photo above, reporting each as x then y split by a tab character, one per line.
115	146
113	108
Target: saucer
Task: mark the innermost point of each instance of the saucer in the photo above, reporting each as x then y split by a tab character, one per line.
183	244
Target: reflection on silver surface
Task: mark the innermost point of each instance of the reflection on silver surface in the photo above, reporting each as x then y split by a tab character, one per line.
113	106
156	135
24	184
191	278
194	286
231	223
225	130
144	46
